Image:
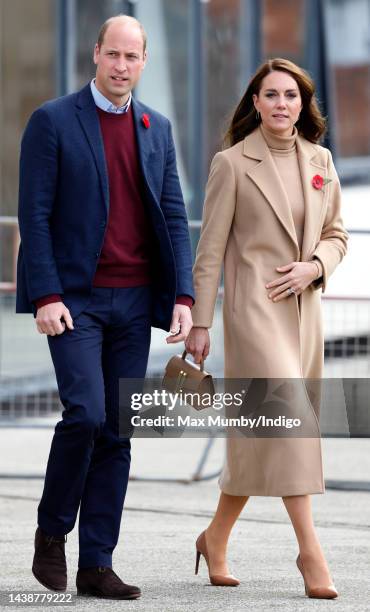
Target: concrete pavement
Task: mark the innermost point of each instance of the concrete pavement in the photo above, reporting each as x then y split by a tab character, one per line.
161	521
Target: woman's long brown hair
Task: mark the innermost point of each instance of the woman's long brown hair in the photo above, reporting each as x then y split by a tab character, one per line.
311	124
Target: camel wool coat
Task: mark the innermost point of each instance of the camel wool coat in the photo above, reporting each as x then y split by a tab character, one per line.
248	228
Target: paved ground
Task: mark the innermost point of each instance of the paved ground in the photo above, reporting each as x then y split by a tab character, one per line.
162	519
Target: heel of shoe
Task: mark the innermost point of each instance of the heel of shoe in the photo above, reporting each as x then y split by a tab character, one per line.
197	559
300	567
82	593
329	592
216	580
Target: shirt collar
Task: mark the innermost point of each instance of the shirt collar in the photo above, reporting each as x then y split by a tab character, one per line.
105	104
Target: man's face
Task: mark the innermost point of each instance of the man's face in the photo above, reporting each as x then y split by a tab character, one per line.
119	61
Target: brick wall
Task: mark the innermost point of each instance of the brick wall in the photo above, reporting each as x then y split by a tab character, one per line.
352	101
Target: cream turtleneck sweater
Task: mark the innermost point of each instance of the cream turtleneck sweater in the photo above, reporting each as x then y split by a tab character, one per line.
284	153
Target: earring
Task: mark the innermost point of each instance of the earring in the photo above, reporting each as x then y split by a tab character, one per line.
258	116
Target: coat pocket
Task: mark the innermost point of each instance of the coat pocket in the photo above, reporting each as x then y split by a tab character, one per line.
240	290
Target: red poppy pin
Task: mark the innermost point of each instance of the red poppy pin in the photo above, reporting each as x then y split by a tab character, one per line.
145	120
318	182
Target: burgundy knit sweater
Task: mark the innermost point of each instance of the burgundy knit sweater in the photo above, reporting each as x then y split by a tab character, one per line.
126	253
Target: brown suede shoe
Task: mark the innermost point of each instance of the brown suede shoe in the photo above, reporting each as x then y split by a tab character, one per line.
104	583
49	562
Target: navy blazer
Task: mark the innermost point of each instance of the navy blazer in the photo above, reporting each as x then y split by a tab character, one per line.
64	203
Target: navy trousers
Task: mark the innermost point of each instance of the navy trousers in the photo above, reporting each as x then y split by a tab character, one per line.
88	466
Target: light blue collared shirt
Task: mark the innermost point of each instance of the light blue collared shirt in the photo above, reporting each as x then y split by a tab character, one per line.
105	104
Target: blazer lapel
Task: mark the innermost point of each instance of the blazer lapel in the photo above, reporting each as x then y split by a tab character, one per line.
144	138
313	198
88	117
267	179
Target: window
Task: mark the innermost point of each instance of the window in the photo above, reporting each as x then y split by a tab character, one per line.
348	45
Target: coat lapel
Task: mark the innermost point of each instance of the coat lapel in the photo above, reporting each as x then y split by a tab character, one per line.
314	198
88	117
267	179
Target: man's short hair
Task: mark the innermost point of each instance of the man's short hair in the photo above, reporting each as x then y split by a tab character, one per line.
128	18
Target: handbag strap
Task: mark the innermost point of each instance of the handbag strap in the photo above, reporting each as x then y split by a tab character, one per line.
201	361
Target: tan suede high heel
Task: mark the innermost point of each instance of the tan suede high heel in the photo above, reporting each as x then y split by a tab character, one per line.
216	579
323	592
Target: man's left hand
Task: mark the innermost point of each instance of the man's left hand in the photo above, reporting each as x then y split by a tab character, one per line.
181	324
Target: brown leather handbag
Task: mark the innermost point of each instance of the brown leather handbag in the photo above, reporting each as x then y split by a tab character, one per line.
190	381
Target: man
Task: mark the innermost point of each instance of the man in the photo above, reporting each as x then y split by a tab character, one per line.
105	254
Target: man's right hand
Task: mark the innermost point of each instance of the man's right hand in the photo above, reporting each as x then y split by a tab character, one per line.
48	319
198	343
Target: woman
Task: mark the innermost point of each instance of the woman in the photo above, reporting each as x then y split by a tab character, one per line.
272	216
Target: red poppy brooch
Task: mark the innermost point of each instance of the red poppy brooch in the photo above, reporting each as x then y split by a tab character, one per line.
145	120
318	182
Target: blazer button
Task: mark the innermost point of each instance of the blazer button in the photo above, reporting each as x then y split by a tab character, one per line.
96	255
102	224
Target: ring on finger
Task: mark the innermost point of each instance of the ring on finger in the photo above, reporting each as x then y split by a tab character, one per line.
290	290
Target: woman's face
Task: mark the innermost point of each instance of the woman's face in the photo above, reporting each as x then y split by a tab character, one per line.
279	102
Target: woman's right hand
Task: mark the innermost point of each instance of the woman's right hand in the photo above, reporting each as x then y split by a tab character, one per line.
198	343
